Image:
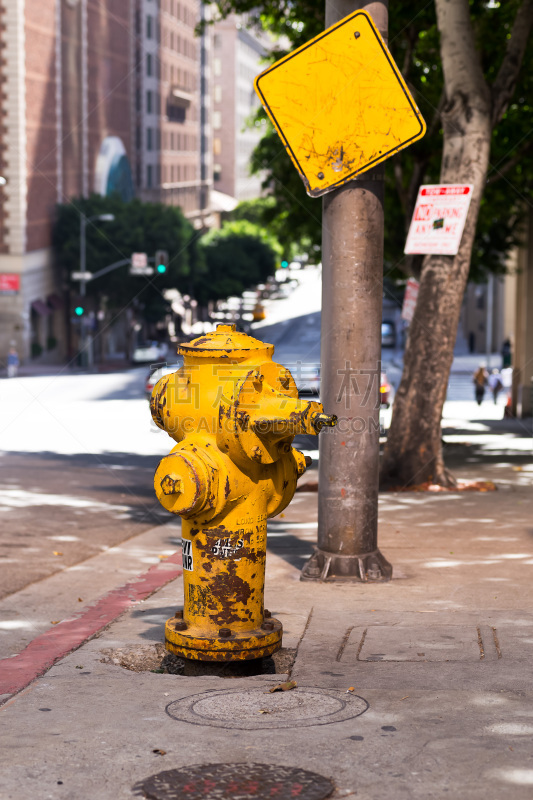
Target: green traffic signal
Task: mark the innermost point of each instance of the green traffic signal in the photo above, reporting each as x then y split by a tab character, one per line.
79	311
284	264
161	268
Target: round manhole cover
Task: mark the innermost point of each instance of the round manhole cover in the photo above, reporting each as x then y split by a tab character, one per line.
257	709
236	781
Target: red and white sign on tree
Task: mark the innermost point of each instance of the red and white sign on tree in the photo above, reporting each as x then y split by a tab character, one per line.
439	219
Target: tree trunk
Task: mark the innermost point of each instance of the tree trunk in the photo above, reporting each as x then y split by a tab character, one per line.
413	453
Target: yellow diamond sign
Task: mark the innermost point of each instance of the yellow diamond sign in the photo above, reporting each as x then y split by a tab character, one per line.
340	104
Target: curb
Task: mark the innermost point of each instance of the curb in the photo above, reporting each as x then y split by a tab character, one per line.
18	671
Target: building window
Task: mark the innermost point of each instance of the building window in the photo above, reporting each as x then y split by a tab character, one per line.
218	93
217	120
217	43
149	26
217	146
217	66
137	99
149	64
149	176
138	137
149	102
149	142
217	172
175	113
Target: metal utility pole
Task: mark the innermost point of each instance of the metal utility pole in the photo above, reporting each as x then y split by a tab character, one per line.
490	317
352	289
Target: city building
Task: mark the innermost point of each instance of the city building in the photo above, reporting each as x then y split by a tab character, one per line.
172	105
65	132
238	55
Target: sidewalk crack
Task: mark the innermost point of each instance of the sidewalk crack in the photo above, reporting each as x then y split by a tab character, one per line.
361	643
344	643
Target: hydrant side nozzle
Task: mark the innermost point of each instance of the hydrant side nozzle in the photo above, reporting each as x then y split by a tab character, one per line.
183	483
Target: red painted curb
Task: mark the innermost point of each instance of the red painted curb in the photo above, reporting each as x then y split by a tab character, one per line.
20	670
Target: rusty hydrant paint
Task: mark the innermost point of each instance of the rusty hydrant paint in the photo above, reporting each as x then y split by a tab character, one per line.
234	413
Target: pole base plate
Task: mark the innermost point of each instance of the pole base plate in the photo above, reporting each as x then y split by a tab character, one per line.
238	646
365	568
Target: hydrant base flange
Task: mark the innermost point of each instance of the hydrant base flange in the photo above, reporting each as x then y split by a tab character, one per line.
239	646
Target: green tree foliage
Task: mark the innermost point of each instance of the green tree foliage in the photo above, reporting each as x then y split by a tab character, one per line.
238	257
414	43
137	227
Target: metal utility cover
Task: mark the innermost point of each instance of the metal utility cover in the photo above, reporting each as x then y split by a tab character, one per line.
239	781
340	104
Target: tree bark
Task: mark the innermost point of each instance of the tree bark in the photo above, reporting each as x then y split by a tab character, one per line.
413	453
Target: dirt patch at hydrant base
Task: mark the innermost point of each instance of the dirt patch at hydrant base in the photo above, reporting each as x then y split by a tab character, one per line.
154	658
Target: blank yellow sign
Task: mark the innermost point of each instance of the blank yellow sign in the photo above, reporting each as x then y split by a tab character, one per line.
340	104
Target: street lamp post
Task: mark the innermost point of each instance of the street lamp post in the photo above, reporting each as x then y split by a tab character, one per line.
83	283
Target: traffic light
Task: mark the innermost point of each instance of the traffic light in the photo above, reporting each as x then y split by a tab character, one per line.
161	261
284	264
79	311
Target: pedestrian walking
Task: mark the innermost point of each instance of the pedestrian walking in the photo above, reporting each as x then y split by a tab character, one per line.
480	382
495	384
12	363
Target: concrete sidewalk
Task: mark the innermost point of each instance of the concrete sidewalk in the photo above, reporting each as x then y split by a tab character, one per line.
439	660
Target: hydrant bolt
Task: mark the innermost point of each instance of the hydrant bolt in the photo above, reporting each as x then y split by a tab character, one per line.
180	625
224	633
171	485
266	613
268	625
179	614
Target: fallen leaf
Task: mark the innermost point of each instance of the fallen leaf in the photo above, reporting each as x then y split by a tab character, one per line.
284	687
518	469
404	698
264	711
162	557
350	689
80	600
55	621
159	752
57	553
79	666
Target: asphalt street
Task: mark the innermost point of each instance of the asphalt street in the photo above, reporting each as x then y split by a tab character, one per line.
78	452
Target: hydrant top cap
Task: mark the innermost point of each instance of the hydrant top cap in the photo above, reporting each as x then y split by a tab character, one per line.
225	342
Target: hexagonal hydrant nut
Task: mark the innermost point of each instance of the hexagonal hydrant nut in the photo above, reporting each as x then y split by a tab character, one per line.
170	485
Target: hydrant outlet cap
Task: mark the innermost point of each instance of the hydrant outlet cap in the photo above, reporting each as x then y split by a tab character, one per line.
225	342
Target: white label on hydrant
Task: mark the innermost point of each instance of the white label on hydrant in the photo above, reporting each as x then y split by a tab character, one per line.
186	545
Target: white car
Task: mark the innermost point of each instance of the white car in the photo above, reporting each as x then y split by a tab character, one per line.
150	352
156	374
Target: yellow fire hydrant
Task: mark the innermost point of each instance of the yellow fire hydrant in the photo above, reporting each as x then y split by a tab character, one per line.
234	413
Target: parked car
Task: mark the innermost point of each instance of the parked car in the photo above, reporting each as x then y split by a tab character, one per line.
155	374
306	378
150	352
388	334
